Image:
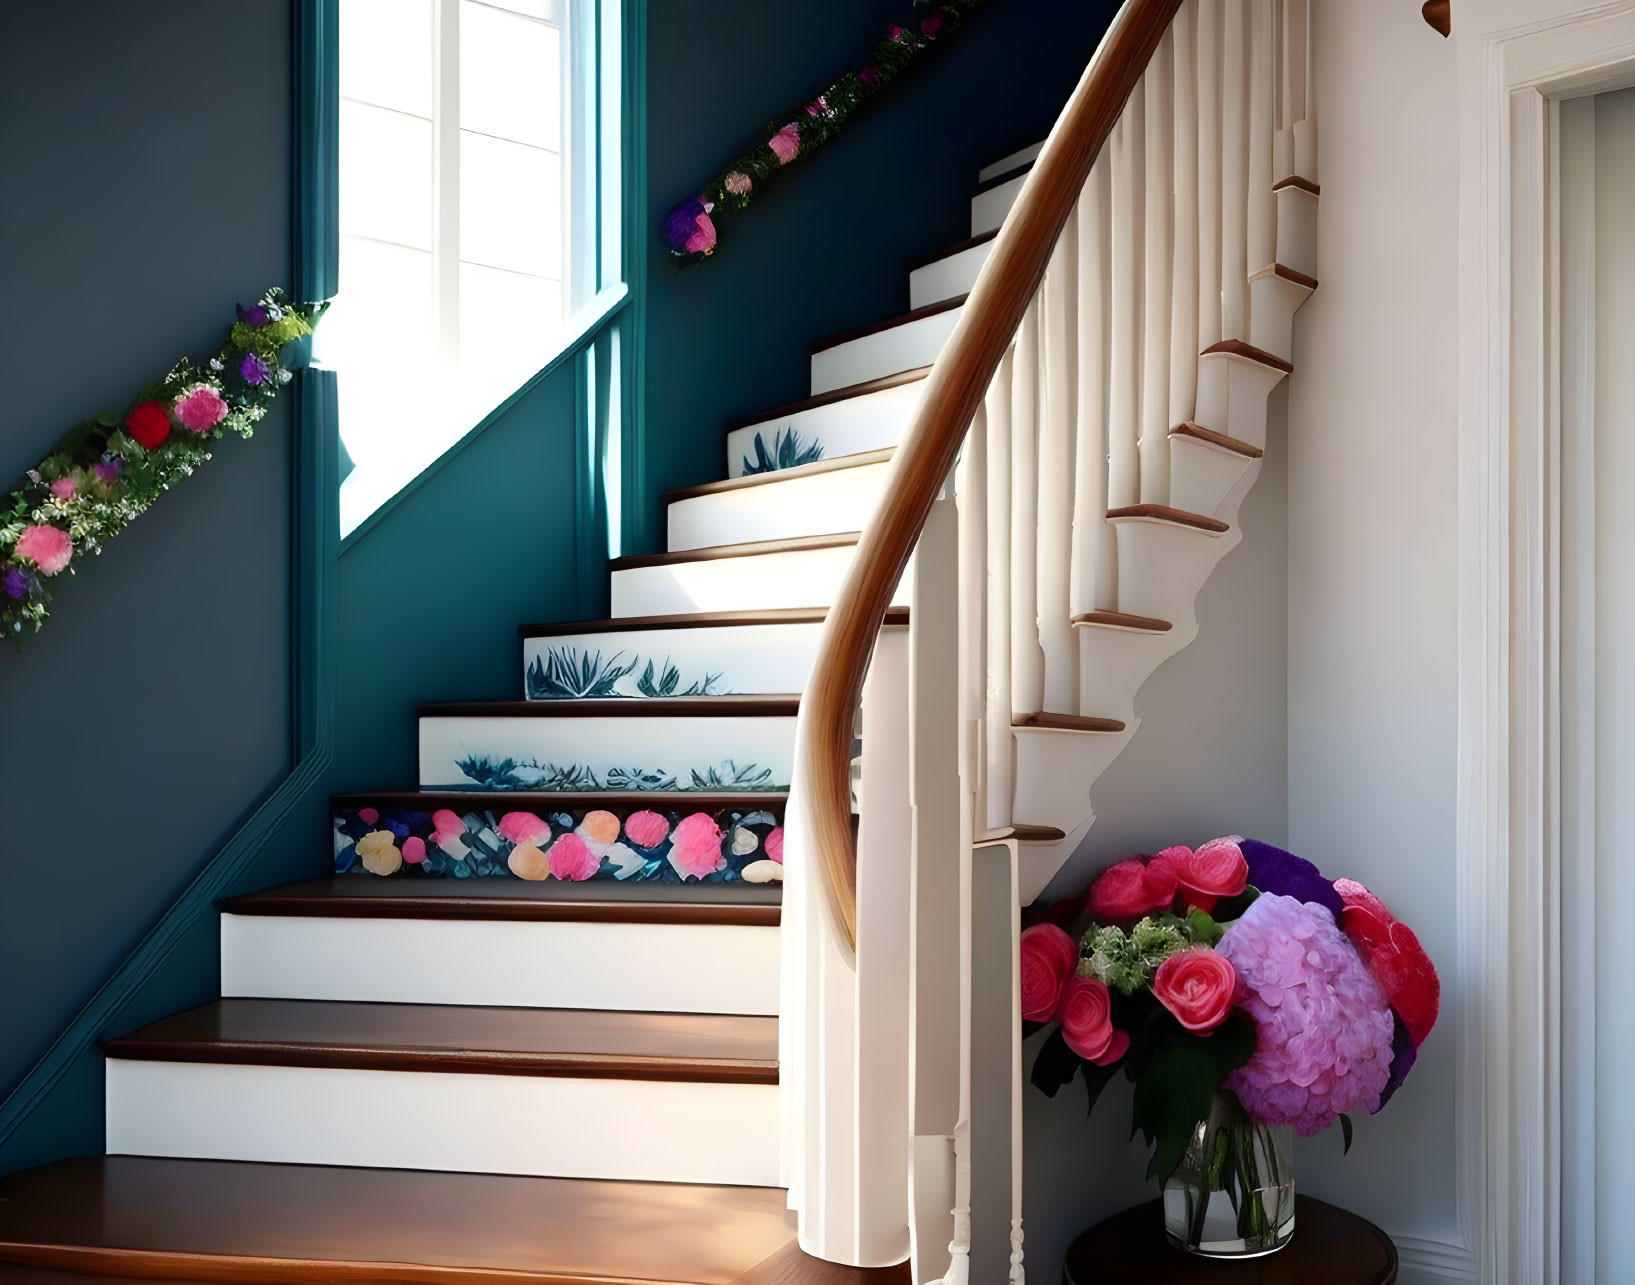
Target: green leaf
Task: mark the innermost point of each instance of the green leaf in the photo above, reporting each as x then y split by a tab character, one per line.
1096	1079
1055	1065
1178	1088
108	419
1345	1130
1204	928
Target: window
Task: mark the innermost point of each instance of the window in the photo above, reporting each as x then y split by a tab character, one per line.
456	191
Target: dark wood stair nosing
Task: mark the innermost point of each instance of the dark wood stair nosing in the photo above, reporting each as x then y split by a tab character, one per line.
1021	833
891	323
1298	184
564	800
1067	722
748	549
863	389
1208	435
834	464
1122	620
950	250
1287	273
694	620
620	707
1176	517
1247	351
408	905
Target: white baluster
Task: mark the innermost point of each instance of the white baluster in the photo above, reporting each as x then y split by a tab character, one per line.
1027	659
1059	346
1159	171
1095	555
1234	173
1183	348
1000	749
1124	336
1262	222
1209	173
971	490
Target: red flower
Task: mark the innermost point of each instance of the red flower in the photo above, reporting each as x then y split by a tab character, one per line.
1049	958
1120	891
1086	1015
148	424
1395	957
1197	986
1215	871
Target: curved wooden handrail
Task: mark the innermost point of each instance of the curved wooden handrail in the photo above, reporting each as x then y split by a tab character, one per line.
954	389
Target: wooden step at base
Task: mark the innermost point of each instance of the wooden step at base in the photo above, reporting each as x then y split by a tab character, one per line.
202	1220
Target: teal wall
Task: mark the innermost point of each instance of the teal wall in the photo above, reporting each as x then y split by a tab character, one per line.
154	711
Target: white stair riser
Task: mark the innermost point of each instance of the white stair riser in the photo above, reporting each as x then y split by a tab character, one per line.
1202	475
819	504
718	660
797	578
1114	663
1162	565
1273	301
658	743
1038	863
719	968
1054	770
1297	230
1232	393
948	277
648	1130
866	422
988	209
906	346
1005	164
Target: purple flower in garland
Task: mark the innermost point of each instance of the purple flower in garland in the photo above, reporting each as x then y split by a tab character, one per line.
931	28
255	369
869	76
1286	875
16	582
108	469
254	315
688	229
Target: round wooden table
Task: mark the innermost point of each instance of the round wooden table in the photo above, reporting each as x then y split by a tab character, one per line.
1330	1247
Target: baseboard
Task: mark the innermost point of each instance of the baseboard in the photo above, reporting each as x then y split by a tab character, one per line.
1428	1261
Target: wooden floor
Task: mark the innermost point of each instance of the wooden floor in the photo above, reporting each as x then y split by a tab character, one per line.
211	1220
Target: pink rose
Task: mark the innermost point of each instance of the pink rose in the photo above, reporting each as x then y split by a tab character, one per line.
1393	954
1049	958
702	240
46	546
695	847
572	859
1086	1015
200	408
774	845
785	144
368	816
1163	877
646	829
64	489
1120	891
524	827
1197	986
1215	871
414	850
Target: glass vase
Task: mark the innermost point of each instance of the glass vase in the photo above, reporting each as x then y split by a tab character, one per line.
1232	1196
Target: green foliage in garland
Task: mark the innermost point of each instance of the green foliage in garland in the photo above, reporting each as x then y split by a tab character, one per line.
691	230
106	472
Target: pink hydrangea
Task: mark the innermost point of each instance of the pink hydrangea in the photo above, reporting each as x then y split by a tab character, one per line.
572	859
524	827
1325	1027
695	847
201	408
65	489
47	547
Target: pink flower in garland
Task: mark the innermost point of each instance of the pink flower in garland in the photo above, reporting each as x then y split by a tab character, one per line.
201	408
931	28
738	183
1324	1025
785	144
897	33
869	76
64	489
695	847
47	547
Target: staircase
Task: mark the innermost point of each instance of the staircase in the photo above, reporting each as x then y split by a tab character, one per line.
551	1019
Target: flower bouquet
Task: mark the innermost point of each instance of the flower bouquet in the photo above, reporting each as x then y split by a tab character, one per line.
1248	999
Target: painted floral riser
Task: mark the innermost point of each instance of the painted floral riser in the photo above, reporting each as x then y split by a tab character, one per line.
574	673
723	845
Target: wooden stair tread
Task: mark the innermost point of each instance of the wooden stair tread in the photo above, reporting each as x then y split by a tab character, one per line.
1021	833
620	707
509	800
558	901
956	247
444	1037
829	398
1290	274
227	1220
890	323
834	464
1298	183
1238	348
747	549
1163	513
696	620
1067	722
1199	433
1122	620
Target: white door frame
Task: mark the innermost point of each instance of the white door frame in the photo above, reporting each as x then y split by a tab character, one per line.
1509	906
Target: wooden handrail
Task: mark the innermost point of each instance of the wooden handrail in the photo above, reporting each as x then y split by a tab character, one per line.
954	389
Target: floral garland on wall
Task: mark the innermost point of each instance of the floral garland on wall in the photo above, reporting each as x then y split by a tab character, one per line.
105	473
690	229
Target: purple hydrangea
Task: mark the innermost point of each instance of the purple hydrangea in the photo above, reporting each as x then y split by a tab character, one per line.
1325	1028
16	583
255	369
108	469
254	315
688	228
1274	870
1403	1057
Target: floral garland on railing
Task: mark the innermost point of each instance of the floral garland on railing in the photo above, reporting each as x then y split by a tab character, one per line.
690	229
105	473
